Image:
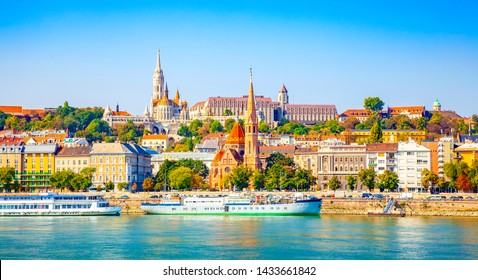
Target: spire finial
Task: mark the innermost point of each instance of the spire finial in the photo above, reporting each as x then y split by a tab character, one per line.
158	62
250	69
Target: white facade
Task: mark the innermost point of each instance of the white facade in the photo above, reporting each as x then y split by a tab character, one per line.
412	159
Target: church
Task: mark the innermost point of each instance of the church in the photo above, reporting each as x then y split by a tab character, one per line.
240	148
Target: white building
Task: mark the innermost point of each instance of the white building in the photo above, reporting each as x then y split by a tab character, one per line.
382	156
412	159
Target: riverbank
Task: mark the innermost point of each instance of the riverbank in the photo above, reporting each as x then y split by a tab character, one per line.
418	206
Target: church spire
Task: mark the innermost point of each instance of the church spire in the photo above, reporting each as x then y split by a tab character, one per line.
158	79
158	62
251	154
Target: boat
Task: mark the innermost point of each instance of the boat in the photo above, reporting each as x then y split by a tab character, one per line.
224	205
54	204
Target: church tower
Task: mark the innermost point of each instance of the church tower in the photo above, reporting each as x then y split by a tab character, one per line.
283	97
158	80
251	155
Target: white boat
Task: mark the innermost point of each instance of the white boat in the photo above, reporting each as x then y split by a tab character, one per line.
53	204
233	206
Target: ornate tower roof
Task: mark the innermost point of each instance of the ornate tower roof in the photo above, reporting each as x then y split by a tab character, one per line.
164	100
237	135
177	98
283	89
251	116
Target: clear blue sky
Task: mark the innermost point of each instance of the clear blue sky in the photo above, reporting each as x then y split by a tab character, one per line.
325	52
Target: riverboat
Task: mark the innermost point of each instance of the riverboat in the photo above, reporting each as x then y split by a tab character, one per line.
53	204
235	206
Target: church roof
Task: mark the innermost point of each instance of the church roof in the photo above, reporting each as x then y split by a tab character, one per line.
164	101
237	135
283	89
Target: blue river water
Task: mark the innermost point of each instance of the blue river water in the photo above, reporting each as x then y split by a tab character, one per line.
238	238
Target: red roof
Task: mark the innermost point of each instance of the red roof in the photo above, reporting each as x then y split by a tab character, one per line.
12	109
237	135
410	109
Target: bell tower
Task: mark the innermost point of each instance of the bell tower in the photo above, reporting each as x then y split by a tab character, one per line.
251	154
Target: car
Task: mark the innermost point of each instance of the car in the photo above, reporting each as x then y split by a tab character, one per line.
469	198
124	197
154	196
436	197
378	196
456	197
367	195
213	190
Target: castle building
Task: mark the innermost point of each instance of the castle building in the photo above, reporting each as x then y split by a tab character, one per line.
266	110
241	147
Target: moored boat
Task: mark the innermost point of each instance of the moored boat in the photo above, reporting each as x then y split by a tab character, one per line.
234	206
53	204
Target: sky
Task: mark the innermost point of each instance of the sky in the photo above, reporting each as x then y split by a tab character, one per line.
93	53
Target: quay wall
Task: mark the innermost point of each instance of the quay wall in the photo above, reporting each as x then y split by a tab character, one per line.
330	206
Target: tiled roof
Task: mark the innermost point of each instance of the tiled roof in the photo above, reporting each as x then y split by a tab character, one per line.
74	151
9	141
41	148
293	106
410	109
356	113
155	137
121	113
382	147
237	135
11	109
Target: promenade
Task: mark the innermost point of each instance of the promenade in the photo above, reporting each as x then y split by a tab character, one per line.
418	206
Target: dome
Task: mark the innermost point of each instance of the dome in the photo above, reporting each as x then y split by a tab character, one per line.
237	135
436	103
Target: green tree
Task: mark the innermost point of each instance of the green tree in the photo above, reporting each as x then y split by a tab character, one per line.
258	179
368	177
280	159
148	184
197	182
7	176
194	127
334	183
122	186
227	112
374	104
351	181
229	124
303	179
453	170
62	179
388	180
3	117
429	179
473	175
264	127
181	178
215	126
376	134
12	122
184	131
239	177
109	186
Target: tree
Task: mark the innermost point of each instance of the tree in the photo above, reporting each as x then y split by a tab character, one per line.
351	181
429	179
197	182
264	127
388	180
473	175
180	178
134	187
229	124
463	183
184	131
7	176
334	183
227	112
376	134
215	126
239	177
109	186
258	179
453	170
368	177
122	186
374	104
62	179
148	184
303	179
350	123
279	158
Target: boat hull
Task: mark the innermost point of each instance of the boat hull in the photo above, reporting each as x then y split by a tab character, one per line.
309	208
106	211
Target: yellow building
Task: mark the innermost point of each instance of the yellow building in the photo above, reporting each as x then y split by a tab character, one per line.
388	136
38	165
120	162
467	153
73	158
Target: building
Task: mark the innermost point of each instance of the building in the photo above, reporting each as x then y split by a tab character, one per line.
38	166
120	162
157	142
266	151
19	111
382	156
158	159
240	148
329	161
266	110
467	153
75	142
388	135
117	117
412	112
412	159
360	114
73	158
163	109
